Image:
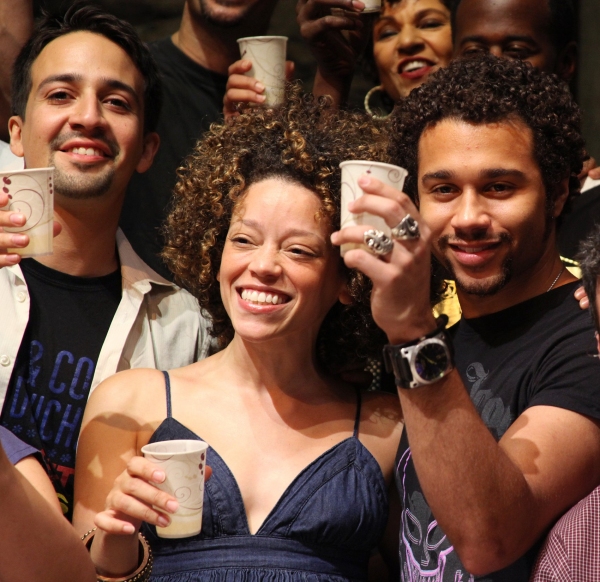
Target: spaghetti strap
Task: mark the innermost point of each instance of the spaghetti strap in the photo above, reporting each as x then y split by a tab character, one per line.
357	418
168	389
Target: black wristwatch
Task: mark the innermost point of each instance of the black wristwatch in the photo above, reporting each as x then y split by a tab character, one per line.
422	361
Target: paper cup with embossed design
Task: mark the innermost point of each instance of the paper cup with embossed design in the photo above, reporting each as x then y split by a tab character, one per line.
31	192
183	462
351	171
267	54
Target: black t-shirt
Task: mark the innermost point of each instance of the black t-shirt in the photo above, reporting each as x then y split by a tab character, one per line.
579	222
539	352
192	100
48	390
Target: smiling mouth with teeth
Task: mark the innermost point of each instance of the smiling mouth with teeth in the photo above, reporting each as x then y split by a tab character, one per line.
86	152
263	298
414	66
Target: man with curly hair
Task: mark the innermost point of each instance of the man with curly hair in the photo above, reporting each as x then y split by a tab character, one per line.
496	449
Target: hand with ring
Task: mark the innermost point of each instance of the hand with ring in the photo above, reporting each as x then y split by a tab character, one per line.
398	265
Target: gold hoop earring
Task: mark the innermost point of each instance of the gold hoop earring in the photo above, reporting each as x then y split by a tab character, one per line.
368	109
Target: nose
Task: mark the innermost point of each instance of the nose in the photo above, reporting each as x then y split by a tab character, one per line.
470	217
87	112
409	41
266	263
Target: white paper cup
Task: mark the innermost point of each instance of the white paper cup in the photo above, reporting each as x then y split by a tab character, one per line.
372	6
31	192
183	462
351	171
267	54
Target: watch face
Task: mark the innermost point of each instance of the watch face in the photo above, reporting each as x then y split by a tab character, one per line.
431	361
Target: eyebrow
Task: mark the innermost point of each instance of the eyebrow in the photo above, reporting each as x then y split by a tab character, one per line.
483	39
77	78
292	232
488	174
418	15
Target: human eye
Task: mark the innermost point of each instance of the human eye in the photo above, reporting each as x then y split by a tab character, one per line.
443	190
384	32
429	23
519	52
58	96
118	102
473	50
499	188
301	251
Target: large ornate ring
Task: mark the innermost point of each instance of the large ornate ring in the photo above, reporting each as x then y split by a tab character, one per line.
378	242
407	229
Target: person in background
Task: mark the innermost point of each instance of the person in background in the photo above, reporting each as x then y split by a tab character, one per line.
502	413
411	40
193	64
73	318
571	551
36	541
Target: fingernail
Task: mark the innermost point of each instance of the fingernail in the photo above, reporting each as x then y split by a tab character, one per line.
364	181
261	97
19	240
172	506
163	521
357	5
259	86
17	219
158	476
128	528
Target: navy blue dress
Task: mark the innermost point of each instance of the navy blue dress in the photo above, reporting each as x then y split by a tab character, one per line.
323	528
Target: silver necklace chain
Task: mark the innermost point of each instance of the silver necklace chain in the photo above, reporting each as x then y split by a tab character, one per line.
556	280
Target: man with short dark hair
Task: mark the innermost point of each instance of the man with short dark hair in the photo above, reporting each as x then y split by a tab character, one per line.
541	32
86	100
496	449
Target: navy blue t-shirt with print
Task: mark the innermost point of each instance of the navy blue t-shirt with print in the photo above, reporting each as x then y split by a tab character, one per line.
48	390
539	352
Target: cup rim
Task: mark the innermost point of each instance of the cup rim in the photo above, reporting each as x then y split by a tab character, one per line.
372	163
266	37
27	171
201	447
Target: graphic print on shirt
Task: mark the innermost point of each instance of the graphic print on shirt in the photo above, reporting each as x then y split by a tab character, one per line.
44	408
426	554
492	410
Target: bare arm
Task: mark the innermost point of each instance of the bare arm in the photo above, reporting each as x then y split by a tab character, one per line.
112	484
16	25
36	541
493	500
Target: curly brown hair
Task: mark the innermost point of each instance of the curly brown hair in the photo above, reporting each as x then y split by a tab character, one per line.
486	89
303	142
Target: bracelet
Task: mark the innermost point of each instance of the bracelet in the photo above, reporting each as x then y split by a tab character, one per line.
141	574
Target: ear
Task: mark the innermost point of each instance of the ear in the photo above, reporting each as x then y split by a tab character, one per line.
150	147
344	297
566	62
598	342
561	198
15	130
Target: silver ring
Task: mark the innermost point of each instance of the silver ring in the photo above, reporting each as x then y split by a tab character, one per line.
407	229
378	242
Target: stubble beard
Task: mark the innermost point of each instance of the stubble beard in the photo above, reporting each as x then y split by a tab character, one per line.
484	287
82	185
218	20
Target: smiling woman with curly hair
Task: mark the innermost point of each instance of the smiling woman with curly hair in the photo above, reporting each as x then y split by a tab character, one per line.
299	490
303	143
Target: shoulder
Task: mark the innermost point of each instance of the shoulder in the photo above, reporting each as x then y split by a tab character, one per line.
129	393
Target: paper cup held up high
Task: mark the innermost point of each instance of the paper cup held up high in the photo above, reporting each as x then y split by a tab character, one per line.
31	192
351	171
372	6
267	54
183	462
